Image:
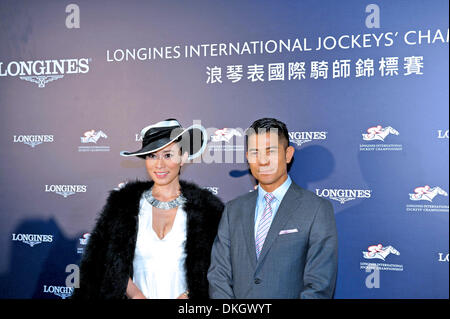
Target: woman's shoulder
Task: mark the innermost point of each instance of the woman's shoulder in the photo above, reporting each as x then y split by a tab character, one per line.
132	186
193	189
189	186
194	192
128	191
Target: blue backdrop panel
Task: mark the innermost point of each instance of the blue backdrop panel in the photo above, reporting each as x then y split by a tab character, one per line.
362	87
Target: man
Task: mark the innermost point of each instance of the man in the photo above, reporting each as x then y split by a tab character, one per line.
279	241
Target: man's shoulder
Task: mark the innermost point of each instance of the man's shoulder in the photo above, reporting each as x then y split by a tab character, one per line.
307	195
311	203
301	194
242	199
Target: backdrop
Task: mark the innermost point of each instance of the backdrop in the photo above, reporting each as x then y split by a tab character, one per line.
362	87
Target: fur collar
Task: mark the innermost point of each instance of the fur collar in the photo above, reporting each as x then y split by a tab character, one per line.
108	260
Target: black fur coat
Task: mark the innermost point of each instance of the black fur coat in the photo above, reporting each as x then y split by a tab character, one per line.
108	259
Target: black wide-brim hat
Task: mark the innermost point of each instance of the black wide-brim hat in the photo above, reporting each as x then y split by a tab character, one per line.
155	137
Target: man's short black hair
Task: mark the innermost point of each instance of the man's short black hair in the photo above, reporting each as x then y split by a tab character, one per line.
265	125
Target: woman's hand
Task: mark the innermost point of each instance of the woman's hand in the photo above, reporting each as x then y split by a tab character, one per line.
133	292
184	295
139	295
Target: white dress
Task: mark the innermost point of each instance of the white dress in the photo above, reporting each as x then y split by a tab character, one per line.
158	265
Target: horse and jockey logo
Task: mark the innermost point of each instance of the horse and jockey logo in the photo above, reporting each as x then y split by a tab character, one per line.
427	193
92	136
225	134
379	252
379	133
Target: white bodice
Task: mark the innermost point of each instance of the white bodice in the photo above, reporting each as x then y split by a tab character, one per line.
158	265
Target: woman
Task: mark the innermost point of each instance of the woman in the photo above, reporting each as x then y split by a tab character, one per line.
153	239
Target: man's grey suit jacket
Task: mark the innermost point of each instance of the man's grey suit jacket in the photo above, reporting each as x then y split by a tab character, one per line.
293	264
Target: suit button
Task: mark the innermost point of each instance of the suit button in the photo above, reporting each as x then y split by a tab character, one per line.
257	281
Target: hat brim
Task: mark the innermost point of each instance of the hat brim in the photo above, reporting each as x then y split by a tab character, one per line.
194	150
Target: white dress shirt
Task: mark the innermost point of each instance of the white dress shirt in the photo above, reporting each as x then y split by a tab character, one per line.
261	203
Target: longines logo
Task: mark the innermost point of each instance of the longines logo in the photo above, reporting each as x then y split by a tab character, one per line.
32	239
443	257
212	189
344	195
60	291
380	252
300	138
442	134
33	140
65	190
42	72
379	133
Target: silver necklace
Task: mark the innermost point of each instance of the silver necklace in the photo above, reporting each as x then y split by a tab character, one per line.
179	201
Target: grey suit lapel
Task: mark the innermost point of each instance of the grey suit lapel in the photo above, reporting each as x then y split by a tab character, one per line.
288	206
249	226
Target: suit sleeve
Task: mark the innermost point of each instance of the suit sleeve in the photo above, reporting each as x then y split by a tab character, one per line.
321	261
220	274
